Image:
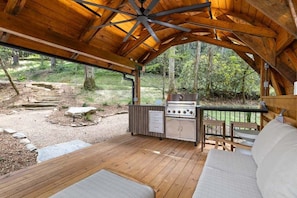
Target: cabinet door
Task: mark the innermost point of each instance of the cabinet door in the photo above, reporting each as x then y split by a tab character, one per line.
188	130
172	128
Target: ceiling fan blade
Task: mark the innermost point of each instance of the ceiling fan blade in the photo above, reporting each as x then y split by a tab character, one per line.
150	7
138	11
114	23
150	30
104	7
170	25
179	10
131	31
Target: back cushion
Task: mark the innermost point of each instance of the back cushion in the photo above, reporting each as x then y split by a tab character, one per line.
269	136
277	174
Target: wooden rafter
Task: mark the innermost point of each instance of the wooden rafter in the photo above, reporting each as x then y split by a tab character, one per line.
90	30
19	28
263	46
227	26
283	40
282	15
212	40
14	7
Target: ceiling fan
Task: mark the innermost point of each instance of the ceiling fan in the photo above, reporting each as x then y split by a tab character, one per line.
144	17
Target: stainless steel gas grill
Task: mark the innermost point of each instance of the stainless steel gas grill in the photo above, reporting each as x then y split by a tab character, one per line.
180	113
181	109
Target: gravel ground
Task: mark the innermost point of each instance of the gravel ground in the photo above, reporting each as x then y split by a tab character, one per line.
42	133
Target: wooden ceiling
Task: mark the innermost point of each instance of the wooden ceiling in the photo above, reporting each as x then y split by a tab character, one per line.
258	31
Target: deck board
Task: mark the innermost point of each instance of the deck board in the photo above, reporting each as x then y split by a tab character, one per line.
171	167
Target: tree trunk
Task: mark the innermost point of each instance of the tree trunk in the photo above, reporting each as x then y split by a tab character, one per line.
164	77
15	57
41	60
9	77
243	85
89	83
53	63
209	70
171	70
196	67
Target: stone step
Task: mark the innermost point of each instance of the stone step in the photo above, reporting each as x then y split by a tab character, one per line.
39	104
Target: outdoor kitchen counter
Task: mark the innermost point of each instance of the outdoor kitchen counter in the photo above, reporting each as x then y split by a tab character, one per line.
139	121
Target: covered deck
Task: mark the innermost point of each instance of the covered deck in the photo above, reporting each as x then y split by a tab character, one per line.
171	167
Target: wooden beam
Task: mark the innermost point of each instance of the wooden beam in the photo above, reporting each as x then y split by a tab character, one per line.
264	77
90	30
278	11
263	46
18	27
14	7
227	26
45	49
285	71
283	40
211	40
275	81
293	8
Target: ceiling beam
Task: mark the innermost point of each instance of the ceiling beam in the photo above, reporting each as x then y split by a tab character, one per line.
211	40
90	30
37	47
283	40
227	26
278	11
14	7
18	27
264	47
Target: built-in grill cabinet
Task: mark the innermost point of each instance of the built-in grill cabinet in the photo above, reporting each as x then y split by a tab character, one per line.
181	118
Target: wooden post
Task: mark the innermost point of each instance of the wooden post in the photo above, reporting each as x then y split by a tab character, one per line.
137	86
264	75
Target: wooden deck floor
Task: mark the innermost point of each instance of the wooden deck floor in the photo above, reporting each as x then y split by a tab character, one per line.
171	167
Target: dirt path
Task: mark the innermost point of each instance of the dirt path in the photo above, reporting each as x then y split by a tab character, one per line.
42	133
47	125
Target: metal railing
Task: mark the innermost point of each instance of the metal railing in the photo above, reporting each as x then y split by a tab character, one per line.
229	115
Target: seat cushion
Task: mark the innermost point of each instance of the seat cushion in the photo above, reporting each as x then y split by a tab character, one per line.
214	183
277	174
269	136
106	184
232	162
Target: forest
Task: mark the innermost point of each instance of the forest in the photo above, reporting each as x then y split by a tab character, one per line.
211	71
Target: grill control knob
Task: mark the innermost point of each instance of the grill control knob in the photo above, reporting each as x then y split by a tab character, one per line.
178	111
185	112
191	112
173	111
168	111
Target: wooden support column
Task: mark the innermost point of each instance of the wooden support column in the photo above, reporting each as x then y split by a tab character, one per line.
264	78
137	86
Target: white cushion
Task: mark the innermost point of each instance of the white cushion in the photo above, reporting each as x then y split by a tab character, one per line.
232	162
269	136
277	174
105	184
214	183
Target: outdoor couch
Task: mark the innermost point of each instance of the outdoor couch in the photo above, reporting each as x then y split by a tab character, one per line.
270	171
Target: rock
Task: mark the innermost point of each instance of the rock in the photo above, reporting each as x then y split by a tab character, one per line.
56	150
19	135
31	147
10	131
75	111
25	141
